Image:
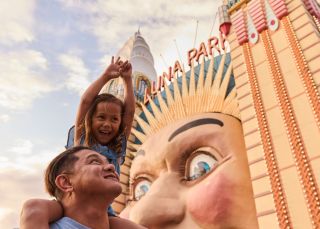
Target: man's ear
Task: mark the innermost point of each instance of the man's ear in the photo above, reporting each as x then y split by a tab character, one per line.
63	183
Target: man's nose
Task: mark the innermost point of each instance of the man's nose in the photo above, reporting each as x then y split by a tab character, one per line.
162	205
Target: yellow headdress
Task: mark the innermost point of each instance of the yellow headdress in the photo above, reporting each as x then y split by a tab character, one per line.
208	89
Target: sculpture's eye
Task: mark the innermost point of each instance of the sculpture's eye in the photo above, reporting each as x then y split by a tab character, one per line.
200	165
141	188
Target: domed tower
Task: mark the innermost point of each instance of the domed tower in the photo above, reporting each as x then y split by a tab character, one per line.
143	66
137	51
141	57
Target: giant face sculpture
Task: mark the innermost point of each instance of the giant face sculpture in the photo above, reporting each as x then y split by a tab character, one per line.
192	172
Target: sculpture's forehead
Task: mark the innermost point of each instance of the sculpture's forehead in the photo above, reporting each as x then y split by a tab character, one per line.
165	133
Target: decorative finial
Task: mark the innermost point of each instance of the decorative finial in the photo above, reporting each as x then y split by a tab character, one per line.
139	30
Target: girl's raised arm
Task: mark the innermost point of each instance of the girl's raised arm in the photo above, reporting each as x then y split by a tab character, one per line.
129	100
112	71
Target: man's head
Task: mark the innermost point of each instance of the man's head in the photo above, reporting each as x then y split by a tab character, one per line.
81	171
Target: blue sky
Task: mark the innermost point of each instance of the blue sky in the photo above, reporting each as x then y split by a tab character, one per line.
50	50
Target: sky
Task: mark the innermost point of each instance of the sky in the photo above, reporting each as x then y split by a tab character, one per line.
50	51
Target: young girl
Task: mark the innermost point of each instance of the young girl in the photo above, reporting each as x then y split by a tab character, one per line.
103	122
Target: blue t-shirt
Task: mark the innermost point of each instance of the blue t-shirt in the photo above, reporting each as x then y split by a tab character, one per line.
67	223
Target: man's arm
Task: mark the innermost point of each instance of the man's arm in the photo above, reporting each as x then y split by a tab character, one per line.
38	213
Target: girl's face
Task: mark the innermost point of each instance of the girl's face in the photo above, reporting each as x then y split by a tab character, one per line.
106	122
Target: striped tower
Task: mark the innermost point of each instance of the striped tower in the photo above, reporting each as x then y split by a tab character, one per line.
275	48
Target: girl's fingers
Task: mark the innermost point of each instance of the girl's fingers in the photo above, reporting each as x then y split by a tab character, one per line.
124	65
118	59
127	66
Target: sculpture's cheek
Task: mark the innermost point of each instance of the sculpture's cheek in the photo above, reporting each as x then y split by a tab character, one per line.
209	202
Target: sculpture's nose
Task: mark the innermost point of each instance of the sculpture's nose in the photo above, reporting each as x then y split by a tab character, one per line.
160	207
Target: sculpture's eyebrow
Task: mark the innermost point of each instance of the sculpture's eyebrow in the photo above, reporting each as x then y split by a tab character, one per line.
195	123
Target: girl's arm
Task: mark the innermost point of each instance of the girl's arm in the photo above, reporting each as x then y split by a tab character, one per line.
129	100
38	213
112	71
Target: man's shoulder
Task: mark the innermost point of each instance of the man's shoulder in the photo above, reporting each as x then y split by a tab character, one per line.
67	223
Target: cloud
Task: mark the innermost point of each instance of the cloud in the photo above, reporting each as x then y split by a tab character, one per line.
8	218
16	187
22	155
4	118
77	72
17	20
22	78
114	21
22	147
104	62
22	178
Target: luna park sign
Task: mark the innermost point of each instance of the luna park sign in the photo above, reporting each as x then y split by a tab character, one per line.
213	45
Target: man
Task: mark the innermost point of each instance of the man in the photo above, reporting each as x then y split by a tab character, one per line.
85	184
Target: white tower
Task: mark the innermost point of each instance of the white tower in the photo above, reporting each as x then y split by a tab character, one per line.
137	51
141	57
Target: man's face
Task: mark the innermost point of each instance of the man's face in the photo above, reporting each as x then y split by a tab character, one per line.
193	174
93	174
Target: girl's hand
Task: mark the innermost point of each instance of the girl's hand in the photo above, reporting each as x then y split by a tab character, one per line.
126	70
113	70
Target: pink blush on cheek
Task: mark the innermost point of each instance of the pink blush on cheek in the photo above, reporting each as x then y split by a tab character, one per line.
209	203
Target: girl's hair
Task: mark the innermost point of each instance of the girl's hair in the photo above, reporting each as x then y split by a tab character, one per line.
116	143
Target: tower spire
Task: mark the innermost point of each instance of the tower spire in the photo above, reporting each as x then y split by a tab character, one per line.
139	30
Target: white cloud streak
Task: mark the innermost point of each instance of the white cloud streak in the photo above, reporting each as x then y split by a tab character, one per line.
17	21
22	178
22	147
114	21
4	118
22	156
16	187
77	73
22	78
